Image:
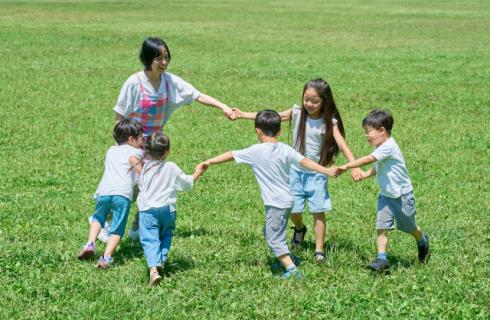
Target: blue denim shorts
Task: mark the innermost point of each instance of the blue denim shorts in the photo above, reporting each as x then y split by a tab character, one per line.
311	187
400	210
119	206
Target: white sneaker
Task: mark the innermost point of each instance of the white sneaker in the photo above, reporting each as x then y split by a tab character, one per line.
104	232
134	234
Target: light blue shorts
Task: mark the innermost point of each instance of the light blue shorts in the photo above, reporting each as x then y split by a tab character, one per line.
400	210
119	206
312	187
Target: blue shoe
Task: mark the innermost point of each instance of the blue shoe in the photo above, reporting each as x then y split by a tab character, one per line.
277	265
295	274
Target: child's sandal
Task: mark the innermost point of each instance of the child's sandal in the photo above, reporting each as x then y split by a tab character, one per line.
320	257
297	243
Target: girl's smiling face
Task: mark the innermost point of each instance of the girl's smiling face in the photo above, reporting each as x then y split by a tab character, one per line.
312	103
161	62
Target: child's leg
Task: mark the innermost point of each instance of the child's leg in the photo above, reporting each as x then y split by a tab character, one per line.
382	241
150	237
299	198
102	210
120	212
418	234
167	233
319	225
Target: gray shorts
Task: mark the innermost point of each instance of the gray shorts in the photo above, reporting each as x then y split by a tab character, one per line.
276	220
401	210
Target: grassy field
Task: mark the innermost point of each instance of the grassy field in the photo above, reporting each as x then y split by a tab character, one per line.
63	64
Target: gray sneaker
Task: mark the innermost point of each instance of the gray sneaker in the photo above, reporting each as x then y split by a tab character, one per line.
424	251
379	265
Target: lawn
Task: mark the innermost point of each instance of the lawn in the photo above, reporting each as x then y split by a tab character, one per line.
63	64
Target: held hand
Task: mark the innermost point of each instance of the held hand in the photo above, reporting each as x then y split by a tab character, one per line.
332	171
356	174
238	112
342	169
229	113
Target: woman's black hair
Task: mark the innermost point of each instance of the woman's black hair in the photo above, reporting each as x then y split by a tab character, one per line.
127	128
330	149
150	49
157	145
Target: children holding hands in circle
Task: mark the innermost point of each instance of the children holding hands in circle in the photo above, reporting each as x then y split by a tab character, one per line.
318	134
288	177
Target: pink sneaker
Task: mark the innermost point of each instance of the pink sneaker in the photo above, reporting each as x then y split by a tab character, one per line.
104	262
87	252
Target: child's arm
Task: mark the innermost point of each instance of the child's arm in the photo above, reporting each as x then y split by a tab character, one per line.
312	165
225	157
358	163
198	171
285	115
136	164
356	173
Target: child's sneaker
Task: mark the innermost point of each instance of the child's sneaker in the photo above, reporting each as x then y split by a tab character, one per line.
294	273
155	279
134	231
277	265
103	235
104	262
424	252
87	252
320	257
379	265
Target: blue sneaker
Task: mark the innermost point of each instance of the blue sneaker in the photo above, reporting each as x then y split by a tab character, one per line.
294	273
277	265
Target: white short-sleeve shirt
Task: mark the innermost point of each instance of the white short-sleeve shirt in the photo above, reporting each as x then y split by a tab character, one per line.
116	180
179	93
271	164
159	183
314	133
391	171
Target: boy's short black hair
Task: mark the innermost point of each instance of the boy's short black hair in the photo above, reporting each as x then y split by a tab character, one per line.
269	121
150	49
379	118
127	128
157	145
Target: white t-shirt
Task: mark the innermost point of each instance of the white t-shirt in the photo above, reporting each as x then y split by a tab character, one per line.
271	163
314	133
180	93
159	183
116	180
391	172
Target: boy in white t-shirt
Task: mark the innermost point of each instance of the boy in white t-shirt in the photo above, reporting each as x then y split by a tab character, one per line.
271	161
396	201
115	189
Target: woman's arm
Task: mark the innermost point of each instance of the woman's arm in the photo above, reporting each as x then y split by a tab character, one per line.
212	102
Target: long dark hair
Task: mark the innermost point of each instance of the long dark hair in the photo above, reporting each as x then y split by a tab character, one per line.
330	149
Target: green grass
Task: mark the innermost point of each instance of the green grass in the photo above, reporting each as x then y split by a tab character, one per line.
62	66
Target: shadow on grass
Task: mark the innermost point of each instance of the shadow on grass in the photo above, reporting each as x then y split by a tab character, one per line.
177	264
128	249
185	232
